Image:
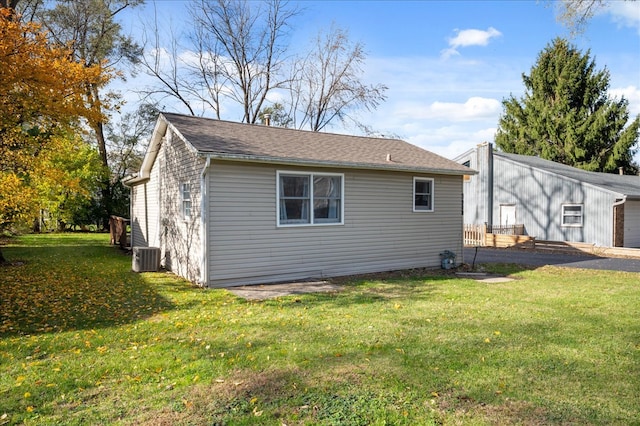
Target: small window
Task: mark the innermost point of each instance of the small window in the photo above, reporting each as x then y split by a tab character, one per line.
185	191
422	195
572	214
306	199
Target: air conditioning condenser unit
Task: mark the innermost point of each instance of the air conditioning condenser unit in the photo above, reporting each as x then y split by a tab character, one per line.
146	259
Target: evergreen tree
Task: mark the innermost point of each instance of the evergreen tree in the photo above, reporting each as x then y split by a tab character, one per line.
567	116
278	117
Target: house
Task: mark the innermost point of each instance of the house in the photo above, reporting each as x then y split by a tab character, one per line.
554	202
232	204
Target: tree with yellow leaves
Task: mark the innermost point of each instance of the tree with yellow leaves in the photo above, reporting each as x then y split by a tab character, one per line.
41	97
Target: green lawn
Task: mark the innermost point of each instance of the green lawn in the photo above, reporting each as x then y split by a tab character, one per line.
85	341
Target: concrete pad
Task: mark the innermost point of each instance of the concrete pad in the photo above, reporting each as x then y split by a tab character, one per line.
484	277
495	280
270	291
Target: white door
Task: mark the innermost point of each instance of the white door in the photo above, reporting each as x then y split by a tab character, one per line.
632	224
507	214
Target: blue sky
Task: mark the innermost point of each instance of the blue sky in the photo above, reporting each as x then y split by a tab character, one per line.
449	64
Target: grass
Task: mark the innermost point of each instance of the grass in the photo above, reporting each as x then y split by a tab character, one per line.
84	340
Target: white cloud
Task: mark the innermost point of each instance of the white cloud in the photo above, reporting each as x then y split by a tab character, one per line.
630	93
473	37
470	37
625	13
475	108
451	141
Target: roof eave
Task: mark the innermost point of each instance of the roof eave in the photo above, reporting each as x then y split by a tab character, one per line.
334	164
152	150
134	180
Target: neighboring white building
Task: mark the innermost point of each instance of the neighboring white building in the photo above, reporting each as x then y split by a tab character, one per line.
554	202
232	204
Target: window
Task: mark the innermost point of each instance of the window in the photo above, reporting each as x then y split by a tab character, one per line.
309	199
185	192
572	215
422	195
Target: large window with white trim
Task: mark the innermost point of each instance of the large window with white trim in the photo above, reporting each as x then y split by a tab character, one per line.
422	194
310	198
572	214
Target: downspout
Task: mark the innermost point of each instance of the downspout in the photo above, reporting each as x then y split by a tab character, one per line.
490	184
616	204
204	203
130	217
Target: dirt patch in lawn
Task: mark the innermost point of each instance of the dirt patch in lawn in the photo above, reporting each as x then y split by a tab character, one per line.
270	291
330	285
242	394
336	284
510	412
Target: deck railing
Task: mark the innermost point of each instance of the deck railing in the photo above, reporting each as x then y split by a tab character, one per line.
506	229
496	236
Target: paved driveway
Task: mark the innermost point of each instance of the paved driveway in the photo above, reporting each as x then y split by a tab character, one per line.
538	258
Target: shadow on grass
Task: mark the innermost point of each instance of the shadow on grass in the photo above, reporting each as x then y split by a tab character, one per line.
72	282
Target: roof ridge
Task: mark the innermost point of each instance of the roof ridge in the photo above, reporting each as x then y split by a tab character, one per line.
277	128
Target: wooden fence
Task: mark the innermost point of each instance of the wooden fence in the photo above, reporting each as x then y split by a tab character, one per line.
512	236
474	235
497	236
118	231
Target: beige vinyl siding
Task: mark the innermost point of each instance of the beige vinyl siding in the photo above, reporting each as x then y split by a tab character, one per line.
139	230
380	231
153	207
145	214
179	238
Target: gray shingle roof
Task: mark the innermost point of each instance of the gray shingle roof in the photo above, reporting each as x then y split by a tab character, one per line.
230	140
625	185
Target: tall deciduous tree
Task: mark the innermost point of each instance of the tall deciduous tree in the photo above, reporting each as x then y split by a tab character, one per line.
242	47
66	177
90	30
161	60
328	82
239	56
127	139
567	116
41	95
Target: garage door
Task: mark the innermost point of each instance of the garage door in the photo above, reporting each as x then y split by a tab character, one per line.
632	224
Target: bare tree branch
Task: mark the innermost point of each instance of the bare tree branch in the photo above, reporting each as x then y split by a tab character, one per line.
330	84
165	66
575	14
246	44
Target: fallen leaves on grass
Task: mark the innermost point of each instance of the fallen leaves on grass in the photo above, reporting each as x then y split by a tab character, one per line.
60	297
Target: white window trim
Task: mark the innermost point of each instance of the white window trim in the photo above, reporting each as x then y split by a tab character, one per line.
311	218
183	200
563	215
433	190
